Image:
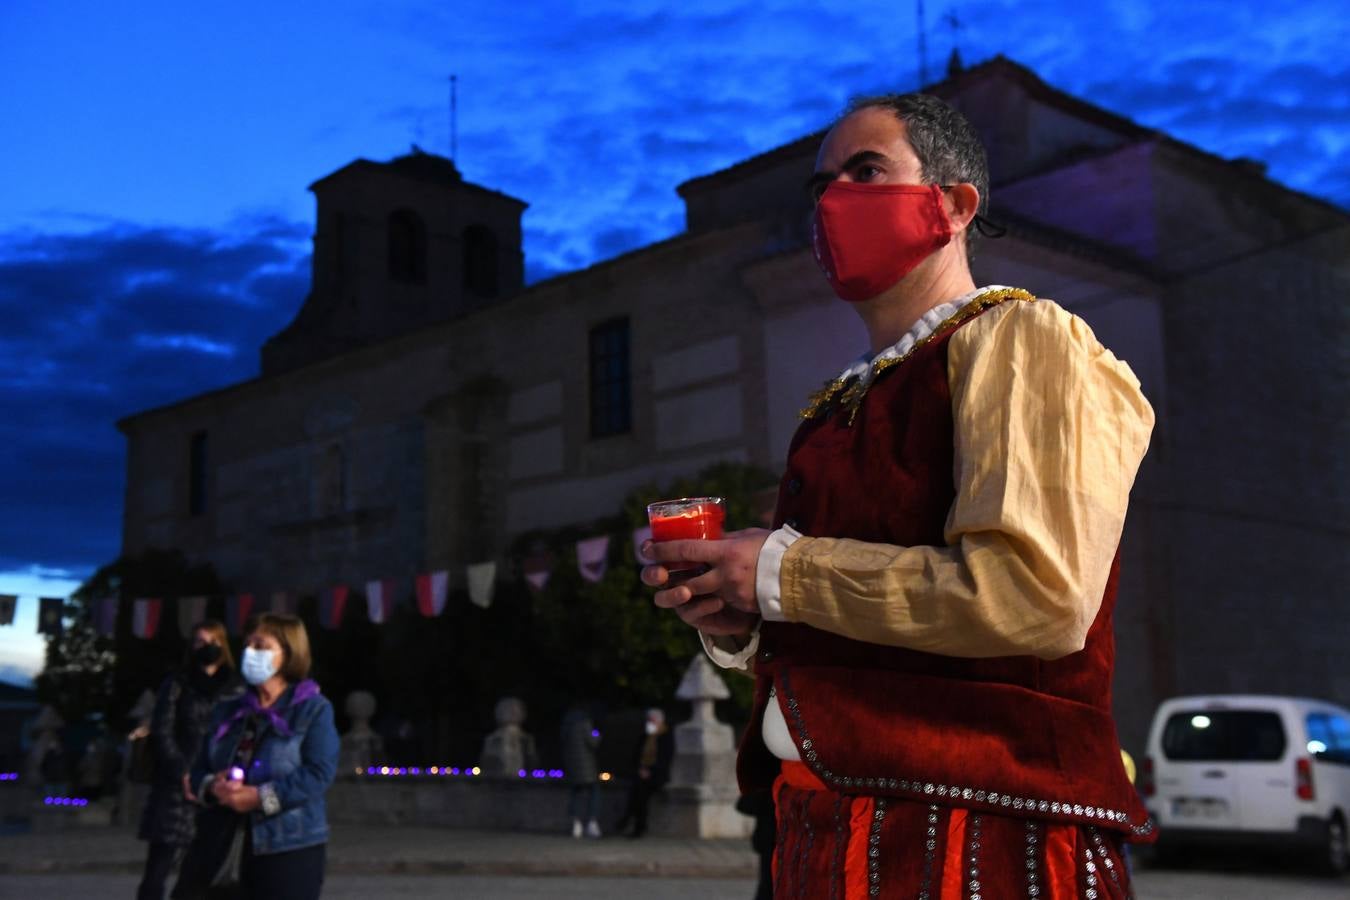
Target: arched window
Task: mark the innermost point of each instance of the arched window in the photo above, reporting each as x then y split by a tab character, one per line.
480	261
407	248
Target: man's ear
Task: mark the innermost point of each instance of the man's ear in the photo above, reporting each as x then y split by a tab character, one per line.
963	202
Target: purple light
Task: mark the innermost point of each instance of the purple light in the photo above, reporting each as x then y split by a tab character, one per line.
522	773
370	770
539	773
415	771
595	732
454	771
47	801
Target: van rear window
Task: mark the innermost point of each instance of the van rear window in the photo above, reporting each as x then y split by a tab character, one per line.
1228	735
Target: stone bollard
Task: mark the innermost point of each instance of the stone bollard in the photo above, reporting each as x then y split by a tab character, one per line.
510	748
360	747
700	800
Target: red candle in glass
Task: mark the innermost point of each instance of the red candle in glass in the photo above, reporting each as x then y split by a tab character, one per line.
689	518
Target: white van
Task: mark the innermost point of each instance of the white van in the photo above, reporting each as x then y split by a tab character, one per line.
1235	769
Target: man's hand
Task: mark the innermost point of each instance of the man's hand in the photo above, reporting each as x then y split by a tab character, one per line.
187	790
719	601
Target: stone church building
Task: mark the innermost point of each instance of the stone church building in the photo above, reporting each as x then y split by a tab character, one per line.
424	406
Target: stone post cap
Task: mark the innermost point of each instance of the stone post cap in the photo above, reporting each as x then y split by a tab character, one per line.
701	682
360	704
49	720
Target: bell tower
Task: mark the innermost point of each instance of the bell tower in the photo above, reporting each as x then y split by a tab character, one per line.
399	246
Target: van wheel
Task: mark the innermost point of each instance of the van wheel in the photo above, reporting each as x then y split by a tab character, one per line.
1337	859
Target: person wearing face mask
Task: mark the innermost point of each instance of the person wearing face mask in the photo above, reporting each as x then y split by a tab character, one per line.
268	759
182	709
655	750
929	621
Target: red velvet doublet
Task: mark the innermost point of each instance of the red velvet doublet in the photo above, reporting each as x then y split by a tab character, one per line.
1017	737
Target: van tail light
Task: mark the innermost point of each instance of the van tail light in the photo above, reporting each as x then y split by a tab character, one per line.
1303	779
1146	786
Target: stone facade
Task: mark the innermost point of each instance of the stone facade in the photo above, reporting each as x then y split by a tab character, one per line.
404	424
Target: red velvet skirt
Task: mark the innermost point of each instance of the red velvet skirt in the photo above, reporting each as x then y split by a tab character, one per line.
835	846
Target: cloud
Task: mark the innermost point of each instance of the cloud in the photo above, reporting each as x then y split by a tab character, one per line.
108	322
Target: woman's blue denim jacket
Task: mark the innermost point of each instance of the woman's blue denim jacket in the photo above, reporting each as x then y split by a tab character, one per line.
294	761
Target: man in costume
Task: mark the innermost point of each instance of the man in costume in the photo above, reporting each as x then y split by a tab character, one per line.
930	619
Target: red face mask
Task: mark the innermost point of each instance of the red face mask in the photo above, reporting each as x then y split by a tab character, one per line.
869	236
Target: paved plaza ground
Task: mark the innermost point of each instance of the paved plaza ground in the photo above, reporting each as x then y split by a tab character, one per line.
405	863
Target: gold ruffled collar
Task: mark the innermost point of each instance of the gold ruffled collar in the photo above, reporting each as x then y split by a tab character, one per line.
847	391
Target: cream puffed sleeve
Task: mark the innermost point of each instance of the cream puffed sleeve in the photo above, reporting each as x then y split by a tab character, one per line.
1050	432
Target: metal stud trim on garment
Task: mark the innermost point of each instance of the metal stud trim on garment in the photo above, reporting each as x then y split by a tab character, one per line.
959	794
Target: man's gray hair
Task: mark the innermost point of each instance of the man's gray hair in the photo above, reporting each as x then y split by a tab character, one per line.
949	150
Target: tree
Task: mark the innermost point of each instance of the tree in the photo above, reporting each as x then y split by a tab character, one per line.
86	672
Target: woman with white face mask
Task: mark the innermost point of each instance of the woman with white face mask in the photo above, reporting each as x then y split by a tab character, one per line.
264	768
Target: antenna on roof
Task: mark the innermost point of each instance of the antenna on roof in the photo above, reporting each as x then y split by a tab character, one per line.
454	117
923	49
954	64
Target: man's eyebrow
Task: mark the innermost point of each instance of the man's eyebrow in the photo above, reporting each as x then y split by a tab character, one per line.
860	157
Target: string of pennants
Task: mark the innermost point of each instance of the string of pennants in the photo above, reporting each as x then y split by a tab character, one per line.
431	590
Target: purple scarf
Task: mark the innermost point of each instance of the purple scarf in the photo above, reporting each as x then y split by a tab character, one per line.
249	705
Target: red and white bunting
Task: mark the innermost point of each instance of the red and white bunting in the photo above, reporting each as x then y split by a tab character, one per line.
482	578
332	604
593	557
145	617
191	610
238	609
431	592
380	599
283	603
105	616
640	537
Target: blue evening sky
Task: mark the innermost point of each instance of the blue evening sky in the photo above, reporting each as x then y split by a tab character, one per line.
154	221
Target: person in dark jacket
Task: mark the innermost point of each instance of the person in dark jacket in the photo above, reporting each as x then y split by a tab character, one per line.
177	725
267	762
580	740
654	754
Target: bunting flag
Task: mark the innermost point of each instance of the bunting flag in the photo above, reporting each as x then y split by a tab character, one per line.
640	537
431	591
332	604
191	610
283	603
537	568
7	604
145	617
105	616
51	610
593	557
237	611
380	599
482	579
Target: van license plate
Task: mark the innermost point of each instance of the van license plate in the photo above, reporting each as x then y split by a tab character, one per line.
1200	808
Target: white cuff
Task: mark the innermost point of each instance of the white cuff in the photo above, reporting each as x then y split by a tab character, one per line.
724	651
767	587
267	796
